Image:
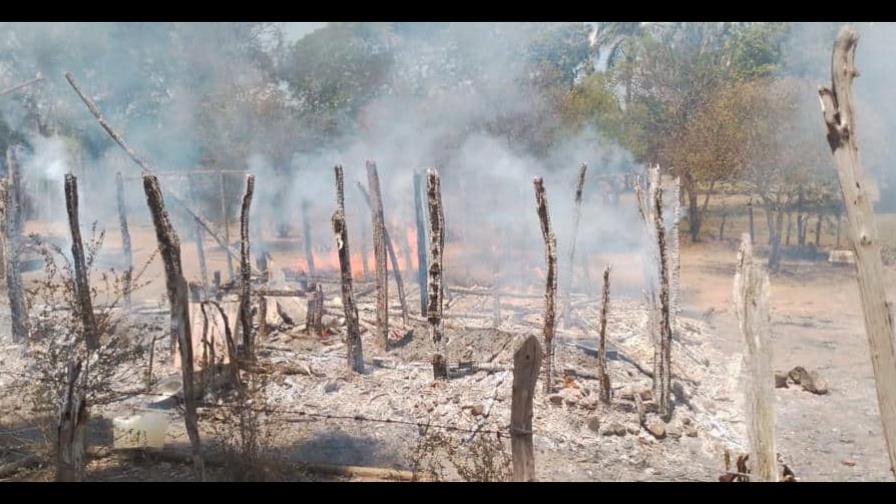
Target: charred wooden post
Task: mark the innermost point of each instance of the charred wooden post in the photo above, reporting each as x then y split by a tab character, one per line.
603	374
567	284
396	271
245	271
839	116
550	294
355	353
419	214
176	285
751	290
82	285
315	311
225	221
71	428
435	292
125	238
14	221
379	253
662	361
200	250
306	232
526	365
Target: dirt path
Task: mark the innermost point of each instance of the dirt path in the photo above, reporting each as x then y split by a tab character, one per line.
817	323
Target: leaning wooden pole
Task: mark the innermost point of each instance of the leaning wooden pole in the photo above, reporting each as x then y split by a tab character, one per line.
306	233
396	271
125	239
178	300
435	292
603	374
567	284
751	291
420	219
839	116
18	308
82	284
353	332
245	271
550	294
379	254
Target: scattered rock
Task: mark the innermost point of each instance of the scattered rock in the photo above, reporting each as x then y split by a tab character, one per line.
555	399
850	463
780	379
673	431
331	387
633	428
614	429
477	410
690	431
656	427
811	381
594	423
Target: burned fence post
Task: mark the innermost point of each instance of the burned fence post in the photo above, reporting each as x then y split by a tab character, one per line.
662	361
435	291
125	238
379	254
396	271
176	285
71	428
526	365
751	290
603	374
550	294
225	222
200	250
245	309
353	332
839	116
82	285
306	233
18	308
315	311
580	187
419	214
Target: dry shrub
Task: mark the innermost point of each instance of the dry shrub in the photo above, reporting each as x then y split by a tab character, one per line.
483	458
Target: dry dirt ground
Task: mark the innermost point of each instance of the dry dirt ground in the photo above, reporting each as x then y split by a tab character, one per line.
816	323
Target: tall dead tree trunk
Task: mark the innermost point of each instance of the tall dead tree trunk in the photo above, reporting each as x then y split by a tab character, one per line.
225	221
245	271
18	309
82	285
396	271
839	116
751	288
71	428
306	232
419	214
125	238
379	254
662	361
200	250
353	332
435	292
550	294
580	187
176	285
603	374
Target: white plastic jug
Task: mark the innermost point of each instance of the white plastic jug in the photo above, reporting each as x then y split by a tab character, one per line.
143	430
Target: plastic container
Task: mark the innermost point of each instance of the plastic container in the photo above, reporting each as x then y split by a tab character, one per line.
143	430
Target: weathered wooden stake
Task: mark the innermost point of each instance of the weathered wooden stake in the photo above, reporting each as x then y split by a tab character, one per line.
176	284
82	284
14	222
526	365
125	238
379	254
662	361
751	290
603	374
419	214
396	271
245	271
306	232
550	294
225	220
71	429
839	116
580	187
198	236
353	332
435	292
315	311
